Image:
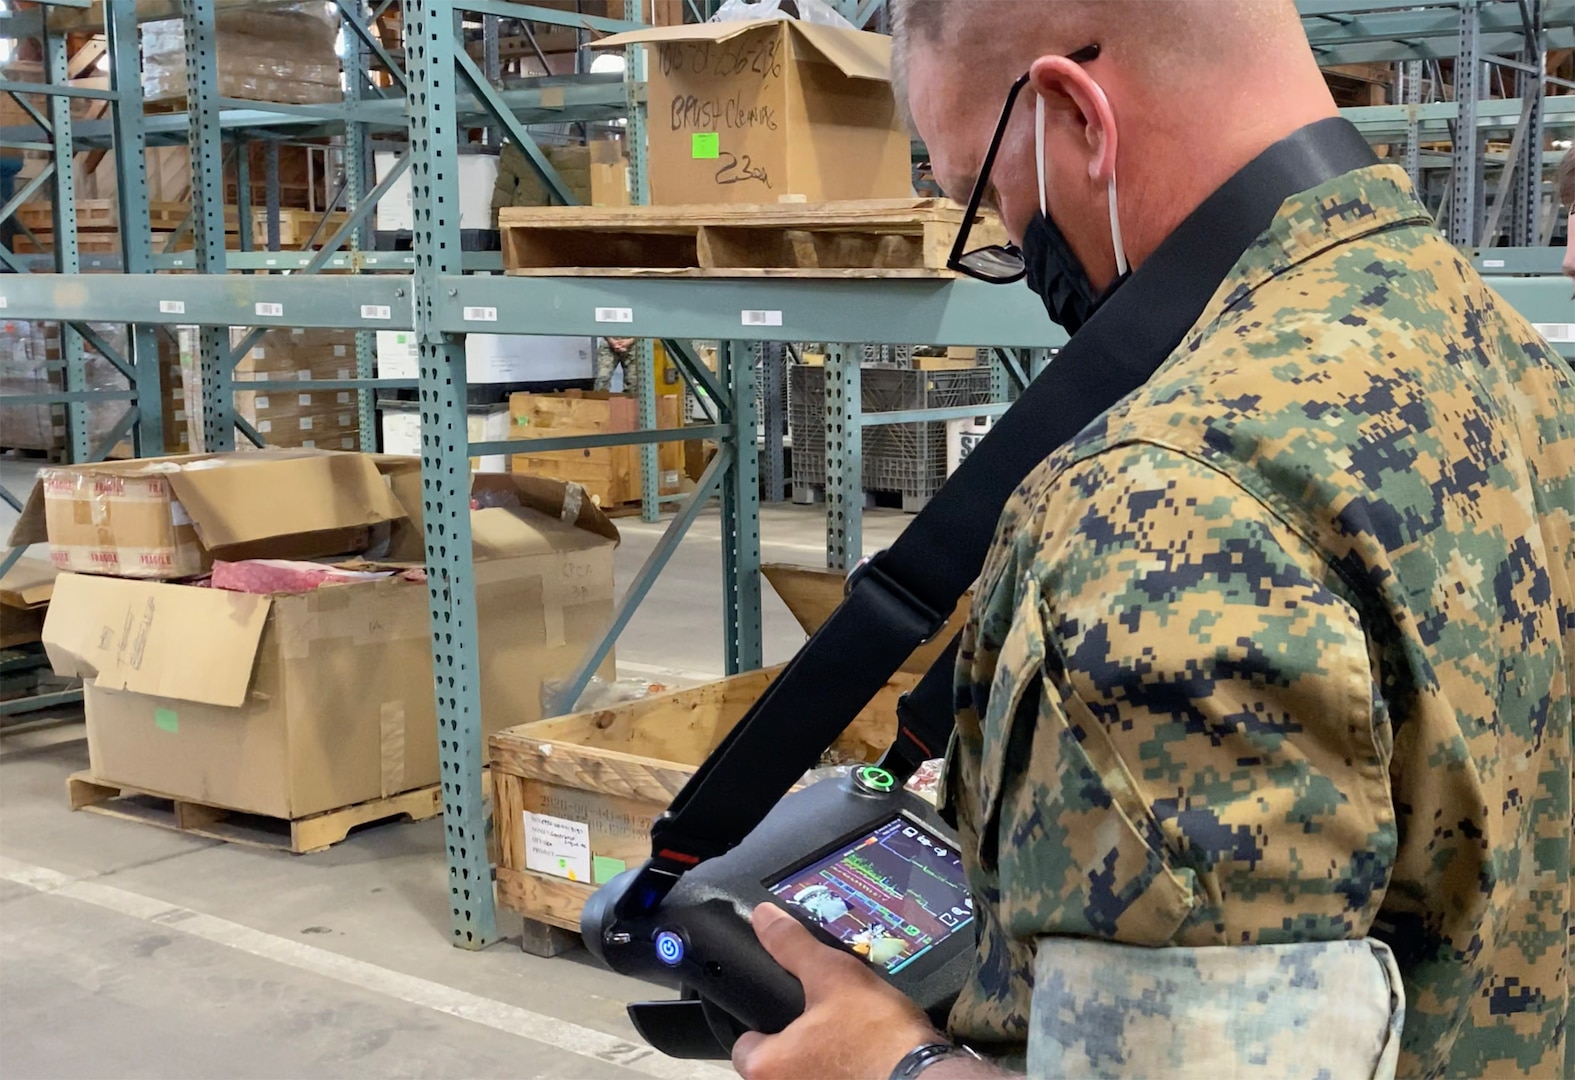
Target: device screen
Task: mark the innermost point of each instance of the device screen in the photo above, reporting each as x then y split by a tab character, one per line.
890	895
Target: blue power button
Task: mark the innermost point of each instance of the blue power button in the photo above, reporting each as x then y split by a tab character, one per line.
669	948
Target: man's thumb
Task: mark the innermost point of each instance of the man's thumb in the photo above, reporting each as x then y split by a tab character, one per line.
788	942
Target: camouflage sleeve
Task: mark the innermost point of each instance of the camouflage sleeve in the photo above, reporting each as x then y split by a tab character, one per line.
1329	1008
1187	749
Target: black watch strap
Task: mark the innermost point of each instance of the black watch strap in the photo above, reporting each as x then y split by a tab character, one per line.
922	1057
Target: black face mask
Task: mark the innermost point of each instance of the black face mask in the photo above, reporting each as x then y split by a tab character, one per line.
1055	273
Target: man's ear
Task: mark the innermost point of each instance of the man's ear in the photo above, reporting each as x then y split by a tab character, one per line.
1084	102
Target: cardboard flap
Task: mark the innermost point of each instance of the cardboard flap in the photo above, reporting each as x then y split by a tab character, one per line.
856	53
554	498
29	528
259	495
28	584
655	35
812	593
151	637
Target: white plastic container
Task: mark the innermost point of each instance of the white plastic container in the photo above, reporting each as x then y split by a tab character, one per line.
494	358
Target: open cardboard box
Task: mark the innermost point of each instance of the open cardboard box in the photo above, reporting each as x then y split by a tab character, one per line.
289	705
749	112
24	599
167	518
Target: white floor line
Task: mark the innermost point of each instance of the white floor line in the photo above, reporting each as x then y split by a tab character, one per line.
548	1030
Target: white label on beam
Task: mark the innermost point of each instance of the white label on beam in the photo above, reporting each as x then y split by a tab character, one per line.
172	307
376	311
761	318
1556	331
615	314
269	311
3	302
481	314
1492	264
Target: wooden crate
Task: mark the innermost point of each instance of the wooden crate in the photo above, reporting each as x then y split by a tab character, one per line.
103	215
609	474
301	836
615	769
864	238
296	227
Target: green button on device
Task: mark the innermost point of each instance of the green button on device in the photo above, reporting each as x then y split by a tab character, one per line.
874	778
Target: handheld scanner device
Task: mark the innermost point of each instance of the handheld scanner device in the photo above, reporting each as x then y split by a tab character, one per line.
867	866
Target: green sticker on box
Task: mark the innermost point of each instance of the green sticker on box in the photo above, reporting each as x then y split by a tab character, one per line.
604	869
705	144
166	720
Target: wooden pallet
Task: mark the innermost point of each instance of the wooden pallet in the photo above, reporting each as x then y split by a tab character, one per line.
103	215
886	238
302	836
296	227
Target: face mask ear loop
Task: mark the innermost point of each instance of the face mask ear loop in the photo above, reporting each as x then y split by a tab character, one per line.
1039	149
1115	228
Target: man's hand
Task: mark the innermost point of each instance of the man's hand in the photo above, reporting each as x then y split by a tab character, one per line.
855	1025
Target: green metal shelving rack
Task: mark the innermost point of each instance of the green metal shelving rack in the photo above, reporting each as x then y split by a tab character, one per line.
442	293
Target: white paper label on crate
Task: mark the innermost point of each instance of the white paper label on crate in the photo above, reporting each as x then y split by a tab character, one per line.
269	311
1555	331
303	399
615	314
1492	264
343	398
172	307
761	318
260	401
376	311
306	423
558	846
481	314
339	350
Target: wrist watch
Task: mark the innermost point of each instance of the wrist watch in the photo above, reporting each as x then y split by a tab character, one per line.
922	1057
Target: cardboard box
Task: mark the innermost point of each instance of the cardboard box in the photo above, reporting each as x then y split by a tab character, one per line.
609	174
24	598
610	475
289	705
749	112
164	518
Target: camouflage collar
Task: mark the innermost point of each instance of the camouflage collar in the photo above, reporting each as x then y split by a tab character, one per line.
1346	208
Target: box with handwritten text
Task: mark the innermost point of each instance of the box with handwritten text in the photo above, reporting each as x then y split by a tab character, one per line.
750	112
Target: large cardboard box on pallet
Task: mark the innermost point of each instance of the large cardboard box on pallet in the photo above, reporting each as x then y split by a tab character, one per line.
167	518
574	796
748	112
293	704
609	474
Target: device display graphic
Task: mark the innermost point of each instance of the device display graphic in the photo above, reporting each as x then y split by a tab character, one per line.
890	895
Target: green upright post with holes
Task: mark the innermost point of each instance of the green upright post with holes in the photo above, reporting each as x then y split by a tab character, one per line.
207	195
136	238
741	512
65	241
431	33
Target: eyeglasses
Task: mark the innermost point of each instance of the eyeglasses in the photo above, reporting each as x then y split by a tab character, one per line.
997	264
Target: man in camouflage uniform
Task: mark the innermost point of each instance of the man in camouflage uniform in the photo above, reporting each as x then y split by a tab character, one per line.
613	353
1263	755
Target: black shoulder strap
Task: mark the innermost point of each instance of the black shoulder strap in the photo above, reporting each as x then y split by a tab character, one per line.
903	596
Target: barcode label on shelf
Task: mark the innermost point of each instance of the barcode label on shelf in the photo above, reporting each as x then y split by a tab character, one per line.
761	318
1555	331
172	307
481	314
376	311
1492	264
615	314
271	311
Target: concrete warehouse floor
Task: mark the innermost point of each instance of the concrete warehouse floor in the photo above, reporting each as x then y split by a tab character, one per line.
129	951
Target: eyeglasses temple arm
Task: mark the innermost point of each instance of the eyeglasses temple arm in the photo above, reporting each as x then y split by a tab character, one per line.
984	173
